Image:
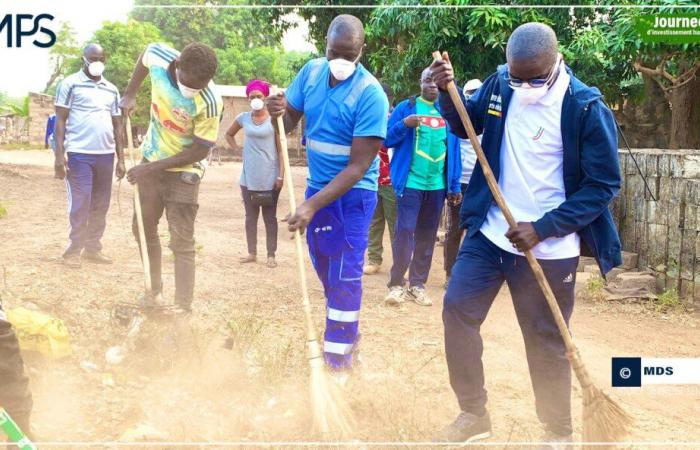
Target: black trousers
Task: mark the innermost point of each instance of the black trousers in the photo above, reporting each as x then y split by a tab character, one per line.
477	276
453	236
14	384
166	191
269	214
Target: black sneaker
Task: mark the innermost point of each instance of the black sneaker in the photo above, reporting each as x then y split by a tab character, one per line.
466	428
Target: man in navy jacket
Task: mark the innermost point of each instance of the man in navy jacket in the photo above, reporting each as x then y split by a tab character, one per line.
552	144
425	169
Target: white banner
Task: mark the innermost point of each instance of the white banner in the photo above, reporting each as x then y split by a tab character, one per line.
670	371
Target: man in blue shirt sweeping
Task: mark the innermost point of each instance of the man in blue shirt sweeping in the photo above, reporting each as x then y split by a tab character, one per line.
346	120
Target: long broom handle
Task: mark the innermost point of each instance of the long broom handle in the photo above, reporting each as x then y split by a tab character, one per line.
313	345
139	215
493	185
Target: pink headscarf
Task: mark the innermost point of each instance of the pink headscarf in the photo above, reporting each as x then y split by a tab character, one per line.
258	85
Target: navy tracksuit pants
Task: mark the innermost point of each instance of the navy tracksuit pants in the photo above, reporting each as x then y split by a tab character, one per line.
89	185
417	220
337	236
477	276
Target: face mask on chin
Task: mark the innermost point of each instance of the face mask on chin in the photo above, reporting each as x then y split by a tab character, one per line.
95	68
186	92
257	104
342	69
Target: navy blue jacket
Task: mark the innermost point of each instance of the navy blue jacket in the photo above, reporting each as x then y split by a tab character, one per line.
402	139
591	166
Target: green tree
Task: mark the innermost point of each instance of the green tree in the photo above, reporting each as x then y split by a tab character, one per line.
197	21
64	53
475	38
246	46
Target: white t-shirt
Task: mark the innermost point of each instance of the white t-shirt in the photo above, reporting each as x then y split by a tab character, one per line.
532	175
468	159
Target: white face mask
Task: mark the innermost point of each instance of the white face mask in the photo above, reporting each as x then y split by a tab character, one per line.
187	92
257	104
341	68
95	68
529	95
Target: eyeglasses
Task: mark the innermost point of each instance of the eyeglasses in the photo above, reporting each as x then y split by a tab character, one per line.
532	82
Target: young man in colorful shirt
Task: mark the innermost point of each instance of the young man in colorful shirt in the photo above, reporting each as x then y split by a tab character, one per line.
346	115
551	143
185	109
87	134
424	170
386	206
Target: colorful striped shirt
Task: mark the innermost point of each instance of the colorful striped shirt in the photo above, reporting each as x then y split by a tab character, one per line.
176	121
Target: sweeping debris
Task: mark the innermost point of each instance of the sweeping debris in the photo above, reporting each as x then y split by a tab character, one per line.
331	413
603	419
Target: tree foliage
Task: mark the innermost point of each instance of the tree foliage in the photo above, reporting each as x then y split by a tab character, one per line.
246	47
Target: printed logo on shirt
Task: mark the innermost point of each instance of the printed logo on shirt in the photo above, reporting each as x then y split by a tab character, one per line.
181	114
538	135
495	107
433	122
569	278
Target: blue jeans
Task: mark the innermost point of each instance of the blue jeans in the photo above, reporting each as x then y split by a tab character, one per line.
477	276
417	221
337	237
89	185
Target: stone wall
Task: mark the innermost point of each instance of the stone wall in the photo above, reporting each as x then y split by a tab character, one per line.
663	232
40	108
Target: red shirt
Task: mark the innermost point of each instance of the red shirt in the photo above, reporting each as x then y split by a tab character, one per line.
384	177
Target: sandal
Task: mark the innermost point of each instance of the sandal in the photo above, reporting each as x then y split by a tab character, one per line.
271	263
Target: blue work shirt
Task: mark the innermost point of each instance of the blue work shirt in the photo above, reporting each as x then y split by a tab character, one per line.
356	107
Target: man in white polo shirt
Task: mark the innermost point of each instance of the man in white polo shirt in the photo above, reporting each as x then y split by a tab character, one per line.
552	144
88	132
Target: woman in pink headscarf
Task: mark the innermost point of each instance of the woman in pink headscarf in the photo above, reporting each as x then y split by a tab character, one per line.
262	173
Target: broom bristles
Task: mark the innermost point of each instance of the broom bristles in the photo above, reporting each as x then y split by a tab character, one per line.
331	413
603	419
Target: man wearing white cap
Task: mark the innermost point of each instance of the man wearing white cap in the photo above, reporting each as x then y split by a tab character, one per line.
453	237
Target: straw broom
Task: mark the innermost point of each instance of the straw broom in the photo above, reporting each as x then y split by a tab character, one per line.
116	354
603	419
331	413
139	215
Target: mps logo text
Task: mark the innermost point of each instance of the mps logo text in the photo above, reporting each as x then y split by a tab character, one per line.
18	28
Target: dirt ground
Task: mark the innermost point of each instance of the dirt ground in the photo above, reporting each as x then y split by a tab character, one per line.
184	385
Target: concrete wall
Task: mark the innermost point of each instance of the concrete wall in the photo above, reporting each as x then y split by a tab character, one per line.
236	105
664	233
40	108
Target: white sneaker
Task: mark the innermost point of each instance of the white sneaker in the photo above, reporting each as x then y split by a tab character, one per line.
396	296
418	295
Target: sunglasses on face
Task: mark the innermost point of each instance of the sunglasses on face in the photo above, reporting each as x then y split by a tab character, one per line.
532	82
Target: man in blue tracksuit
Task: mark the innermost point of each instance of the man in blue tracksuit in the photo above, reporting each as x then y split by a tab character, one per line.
426	168
551	143
346	115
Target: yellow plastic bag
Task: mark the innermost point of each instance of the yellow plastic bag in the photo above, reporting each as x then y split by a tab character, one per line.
40	332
